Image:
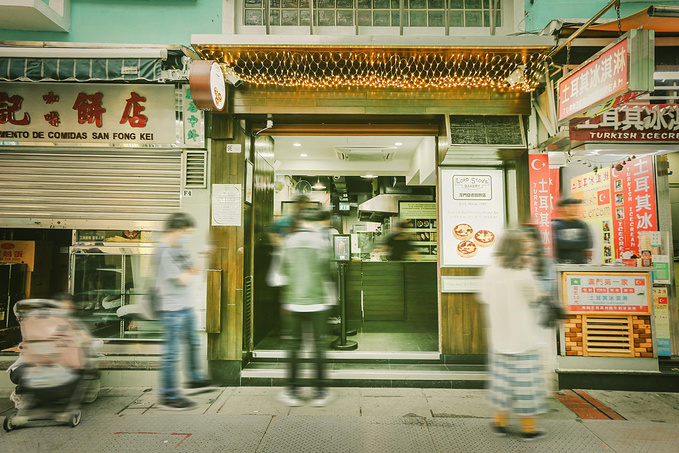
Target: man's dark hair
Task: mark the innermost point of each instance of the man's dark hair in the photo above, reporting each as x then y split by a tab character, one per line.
178	221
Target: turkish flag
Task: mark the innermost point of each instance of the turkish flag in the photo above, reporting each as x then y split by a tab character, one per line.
604	196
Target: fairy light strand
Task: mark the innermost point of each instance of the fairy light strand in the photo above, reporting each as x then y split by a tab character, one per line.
381	69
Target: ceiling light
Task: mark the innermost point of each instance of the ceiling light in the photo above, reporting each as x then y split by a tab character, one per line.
398	144
296	144
303	155
318	185
369	176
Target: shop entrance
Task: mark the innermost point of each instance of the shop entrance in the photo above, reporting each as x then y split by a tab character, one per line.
374	185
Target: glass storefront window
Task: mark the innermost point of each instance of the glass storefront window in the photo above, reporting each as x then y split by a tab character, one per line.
107	281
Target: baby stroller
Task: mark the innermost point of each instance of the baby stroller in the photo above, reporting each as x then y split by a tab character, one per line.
55	372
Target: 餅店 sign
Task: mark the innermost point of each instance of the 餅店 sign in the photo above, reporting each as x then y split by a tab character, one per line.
618	71
93	114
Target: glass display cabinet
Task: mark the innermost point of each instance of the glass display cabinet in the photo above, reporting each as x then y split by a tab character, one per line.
107	280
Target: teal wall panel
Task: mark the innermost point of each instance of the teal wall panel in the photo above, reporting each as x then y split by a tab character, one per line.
540	12
133	22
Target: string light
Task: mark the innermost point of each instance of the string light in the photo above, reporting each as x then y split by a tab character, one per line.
381	68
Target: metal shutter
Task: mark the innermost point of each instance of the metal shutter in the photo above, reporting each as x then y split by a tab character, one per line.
85	188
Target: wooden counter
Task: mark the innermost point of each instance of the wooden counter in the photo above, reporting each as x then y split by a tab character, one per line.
392	290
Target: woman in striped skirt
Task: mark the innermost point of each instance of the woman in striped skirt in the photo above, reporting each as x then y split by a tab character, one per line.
517	381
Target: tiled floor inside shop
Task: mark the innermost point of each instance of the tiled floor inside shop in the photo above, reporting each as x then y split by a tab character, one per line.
390	336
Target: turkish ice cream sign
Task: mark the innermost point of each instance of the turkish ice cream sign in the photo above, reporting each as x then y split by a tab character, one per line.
630	123
544	191
615	292
616	75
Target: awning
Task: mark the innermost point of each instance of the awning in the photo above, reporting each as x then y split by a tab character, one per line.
18	69
662	19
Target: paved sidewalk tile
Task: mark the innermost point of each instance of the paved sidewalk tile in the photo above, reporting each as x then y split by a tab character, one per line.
395	406
636	437
253	405
641	406
458	402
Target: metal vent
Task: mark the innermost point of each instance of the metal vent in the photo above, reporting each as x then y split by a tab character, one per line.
365	153
195	169
247	313
607	336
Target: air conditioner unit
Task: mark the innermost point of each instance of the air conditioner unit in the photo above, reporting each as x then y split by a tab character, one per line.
365	153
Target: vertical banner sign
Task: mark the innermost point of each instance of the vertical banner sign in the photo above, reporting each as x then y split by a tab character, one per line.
543	197
472	215
194	129
634	206
595	191
662	321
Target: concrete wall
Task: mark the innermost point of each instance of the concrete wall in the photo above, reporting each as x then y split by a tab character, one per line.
133	22
540	12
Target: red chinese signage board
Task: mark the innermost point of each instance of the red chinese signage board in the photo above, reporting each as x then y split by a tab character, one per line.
600	79
544	190
630	123
634	205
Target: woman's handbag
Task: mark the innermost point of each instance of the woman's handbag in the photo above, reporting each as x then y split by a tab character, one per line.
551	312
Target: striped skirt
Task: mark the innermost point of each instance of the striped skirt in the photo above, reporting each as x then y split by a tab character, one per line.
517	383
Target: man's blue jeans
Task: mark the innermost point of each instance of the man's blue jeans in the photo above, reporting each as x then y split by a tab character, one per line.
178	326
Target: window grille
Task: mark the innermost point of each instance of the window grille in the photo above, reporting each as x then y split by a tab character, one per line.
372	13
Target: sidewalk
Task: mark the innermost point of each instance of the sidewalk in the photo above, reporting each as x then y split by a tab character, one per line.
251	419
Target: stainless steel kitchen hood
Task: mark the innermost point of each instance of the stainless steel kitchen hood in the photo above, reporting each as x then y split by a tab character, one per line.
386	205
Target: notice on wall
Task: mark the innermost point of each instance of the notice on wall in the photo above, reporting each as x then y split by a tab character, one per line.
662	321
600	292
544	192
226	204
17	252
472	215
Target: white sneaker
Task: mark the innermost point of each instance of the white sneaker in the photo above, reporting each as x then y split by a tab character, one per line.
322	398
290	398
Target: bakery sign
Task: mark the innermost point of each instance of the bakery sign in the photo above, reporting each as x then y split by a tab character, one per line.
630	123
615	75
472	215
88	114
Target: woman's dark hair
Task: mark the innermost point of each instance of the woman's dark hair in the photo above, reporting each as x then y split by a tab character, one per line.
533	234
178	221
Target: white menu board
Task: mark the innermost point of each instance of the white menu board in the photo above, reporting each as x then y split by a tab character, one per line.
615	292
472	215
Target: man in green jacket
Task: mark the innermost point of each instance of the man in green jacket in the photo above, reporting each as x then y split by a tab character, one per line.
307	269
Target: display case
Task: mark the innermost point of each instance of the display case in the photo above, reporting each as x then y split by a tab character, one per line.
420	222
105	280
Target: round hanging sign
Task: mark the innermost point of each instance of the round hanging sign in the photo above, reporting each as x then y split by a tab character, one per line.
208	88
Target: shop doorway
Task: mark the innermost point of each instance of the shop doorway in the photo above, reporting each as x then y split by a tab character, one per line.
370	184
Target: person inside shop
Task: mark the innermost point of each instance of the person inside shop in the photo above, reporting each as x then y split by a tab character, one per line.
307	269
572	238
508	290
398	245
175	275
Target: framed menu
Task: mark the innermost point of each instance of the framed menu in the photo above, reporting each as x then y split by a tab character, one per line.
472	216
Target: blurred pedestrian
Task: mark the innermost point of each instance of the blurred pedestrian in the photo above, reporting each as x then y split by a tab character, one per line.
398	246
508	289
306	300
572	238
176	272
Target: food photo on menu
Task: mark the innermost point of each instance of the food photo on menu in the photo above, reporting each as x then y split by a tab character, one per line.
471	240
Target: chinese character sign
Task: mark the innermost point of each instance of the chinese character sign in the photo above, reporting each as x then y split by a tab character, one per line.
88	114
603	77
544	193
630	123
16	252
615	292
634	206
194	130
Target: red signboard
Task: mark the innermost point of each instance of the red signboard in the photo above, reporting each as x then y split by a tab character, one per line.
634	206
602	78
544	187
630	123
